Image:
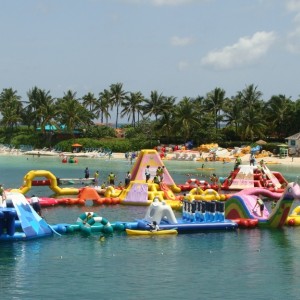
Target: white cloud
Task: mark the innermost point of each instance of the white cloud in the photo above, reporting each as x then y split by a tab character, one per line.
246	51
178	41
293	37
182	65
293	5
293	41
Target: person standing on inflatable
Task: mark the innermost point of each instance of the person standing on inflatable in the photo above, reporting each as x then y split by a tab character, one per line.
238	161
261	205
2	195
35	203
86	173
96	178
127	178
111	178
147	173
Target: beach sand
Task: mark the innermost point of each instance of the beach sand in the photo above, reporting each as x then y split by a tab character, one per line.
246	159
273	160
119	155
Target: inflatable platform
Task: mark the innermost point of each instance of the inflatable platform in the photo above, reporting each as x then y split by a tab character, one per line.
195	218
242	205
246	176
19	221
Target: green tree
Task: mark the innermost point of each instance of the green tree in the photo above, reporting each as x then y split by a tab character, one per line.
233	113
250	96
165	125
154	105
117	97
72	113
253	125
10	108
278	112
132	106
34	99
102	107
186	117
89	101
214	102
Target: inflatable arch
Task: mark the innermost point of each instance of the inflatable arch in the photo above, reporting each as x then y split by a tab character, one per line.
159	211
28	179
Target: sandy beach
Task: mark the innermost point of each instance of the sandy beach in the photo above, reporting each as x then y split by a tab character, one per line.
272	160
119	155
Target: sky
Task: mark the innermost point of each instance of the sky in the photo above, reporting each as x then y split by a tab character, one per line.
180	48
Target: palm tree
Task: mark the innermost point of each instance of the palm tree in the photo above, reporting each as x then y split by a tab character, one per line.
157	105
253	125
38	100
8	96
186	117
153	106
89	101
10	108
214	102
72	113
34	103
250	96
117	97
296	117
102	107
48	113
132	106
233	113
165	125
279	110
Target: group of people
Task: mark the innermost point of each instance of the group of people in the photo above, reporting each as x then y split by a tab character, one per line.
130	156
159	174
111	178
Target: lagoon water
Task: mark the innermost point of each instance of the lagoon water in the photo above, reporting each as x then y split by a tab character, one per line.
244	264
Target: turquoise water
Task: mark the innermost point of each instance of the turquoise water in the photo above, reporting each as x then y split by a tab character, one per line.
245	264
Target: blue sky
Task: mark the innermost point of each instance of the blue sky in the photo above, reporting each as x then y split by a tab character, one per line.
177	47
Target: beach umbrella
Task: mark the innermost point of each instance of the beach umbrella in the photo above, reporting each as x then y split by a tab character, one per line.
261	142
76	145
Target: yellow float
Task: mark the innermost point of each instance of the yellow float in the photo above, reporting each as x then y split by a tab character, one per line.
294	218
146	232
207	195
28	178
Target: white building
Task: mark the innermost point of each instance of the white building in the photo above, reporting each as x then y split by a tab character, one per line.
294	144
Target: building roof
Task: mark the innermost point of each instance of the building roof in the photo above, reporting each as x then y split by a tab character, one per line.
294	137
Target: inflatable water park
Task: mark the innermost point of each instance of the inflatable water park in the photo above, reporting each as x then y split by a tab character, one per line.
247	176
242	205
202	210
19	221
138	192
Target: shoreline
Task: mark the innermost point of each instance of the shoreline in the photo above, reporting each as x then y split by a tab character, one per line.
269	160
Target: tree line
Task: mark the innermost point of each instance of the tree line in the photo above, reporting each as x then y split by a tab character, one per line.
214	117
